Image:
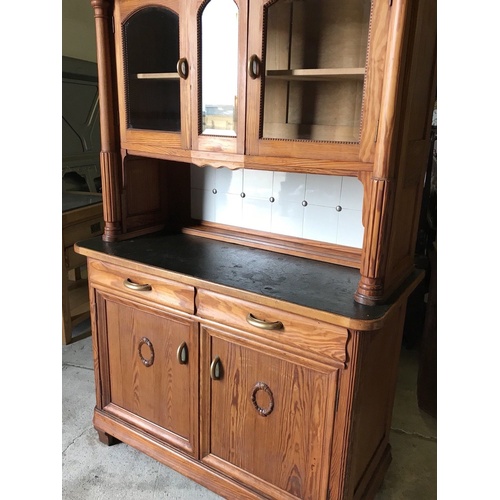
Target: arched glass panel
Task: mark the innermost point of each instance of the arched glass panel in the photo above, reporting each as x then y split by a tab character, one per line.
219	68
151	48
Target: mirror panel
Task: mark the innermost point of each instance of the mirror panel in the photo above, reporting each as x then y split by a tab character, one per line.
219	66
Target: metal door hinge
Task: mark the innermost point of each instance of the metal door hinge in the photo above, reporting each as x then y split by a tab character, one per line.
376	131
113	24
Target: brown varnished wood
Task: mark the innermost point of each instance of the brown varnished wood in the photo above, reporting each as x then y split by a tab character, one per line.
243	443
313	356
145	209
133	388
298	333
413	147
361	449
362	149
162	291
375	389
303	411
300	247
110	158
402	145
391	32
171	457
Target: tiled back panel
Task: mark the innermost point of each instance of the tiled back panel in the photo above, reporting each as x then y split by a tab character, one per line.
318	207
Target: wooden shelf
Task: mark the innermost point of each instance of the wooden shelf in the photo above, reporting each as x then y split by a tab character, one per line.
315	74
156	76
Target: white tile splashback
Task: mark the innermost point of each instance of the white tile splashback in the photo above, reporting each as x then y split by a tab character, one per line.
318	207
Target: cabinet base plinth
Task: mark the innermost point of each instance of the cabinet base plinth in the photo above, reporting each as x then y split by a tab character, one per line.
112	430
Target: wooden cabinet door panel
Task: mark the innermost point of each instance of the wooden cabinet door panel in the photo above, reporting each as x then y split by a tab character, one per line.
152	45
147	384
268	419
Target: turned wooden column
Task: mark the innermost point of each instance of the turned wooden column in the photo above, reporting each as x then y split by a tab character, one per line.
372	286
110	147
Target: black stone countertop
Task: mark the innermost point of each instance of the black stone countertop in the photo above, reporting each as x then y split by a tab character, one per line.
72	201
313	284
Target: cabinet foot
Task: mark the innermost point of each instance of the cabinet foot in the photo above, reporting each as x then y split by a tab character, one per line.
107	439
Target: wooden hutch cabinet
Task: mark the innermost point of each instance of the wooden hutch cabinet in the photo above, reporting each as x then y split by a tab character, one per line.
260	363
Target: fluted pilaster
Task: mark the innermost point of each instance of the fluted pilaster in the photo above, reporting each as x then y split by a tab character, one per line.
110	147
371	286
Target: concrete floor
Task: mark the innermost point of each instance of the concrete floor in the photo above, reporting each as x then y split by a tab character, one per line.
94	471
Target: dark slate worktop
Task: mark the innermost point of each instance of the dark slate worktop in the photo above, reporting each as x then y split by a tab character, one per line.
308	283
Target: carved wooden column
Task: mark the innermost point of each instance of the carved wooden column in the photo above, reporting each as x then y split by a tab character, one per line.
372	286
110	146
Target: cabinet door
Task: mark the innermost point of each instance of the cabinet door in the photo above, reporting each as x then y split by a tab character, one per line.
218	91
266	418
314	77
149	370
152	74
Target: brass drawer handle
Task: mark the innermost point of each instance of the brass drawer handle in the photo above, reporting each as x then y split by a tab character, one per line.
182	354
128	283
182	68
216	369
264	325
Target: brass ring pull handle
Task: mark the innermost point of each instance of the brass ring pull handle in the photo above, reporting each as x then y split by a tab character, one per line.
182	68
264	325
216	369
147	342
146	287
253	67
260	386
182	354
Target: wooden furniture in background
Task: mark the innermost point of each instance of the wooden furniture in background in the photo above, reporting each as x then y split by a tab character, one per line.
81	218
259	374
80	124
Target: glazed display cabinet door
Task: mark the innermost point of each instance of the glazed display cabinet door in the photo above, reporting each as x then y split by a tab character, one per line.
153	74
218	92
267	418
149	369
314	74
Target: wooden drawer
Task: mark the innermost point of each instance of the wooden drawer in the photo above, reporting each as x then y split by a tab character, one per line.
290	331
141	287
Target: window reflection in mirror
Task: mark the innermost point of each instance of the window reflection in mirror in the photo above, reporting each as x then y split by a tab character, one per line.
219	65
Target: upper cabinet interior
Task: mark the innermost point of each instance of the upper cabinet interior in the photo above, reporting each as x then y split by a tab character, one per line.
311	83
257	78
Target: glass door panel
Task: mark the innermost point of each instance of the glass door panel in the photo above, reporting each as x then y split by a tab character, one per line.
219	68
315	57
151	48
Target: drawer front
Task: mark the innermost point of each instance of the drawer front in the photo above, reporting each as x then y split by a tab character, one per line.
141	286
291	331
82	231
